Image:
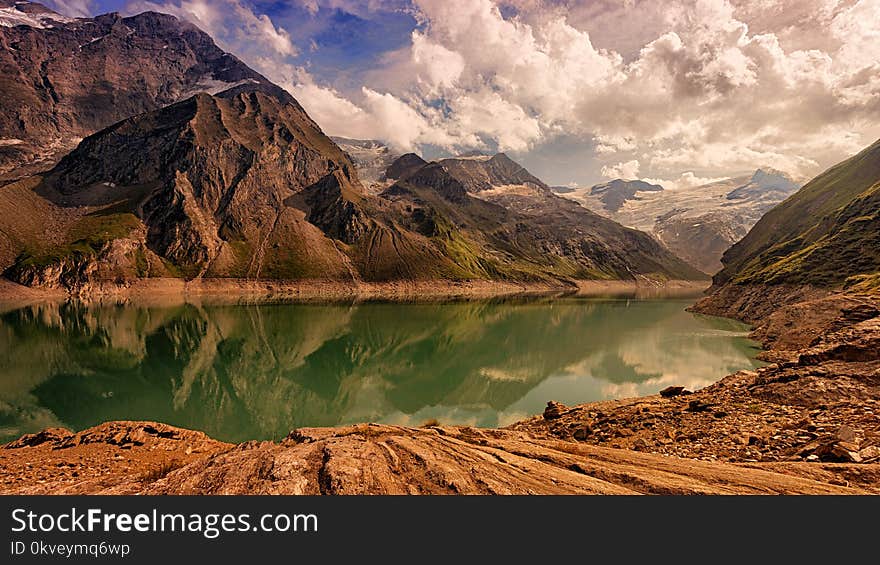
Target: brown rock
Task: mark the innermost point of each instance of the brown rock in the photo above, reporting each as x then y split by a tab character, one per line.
554	410
845	433
846	452
859	313
697	406
870	454
53	435
671	391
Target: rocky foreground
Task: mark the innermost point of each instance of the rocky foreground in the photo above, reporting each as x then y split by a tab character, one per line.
819	401
808	422
150	458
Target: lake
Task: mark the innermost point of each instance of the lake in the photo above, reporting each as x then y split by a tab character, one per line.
240	372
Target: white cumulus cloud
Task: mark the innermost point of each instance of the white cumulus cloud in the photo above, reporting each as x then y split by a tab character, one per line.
667	89
627	171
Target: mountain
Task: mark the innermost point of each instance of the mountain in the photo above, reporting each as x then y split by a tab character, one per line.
63	79
484	172
697	223
403	166
827	234
765	184
614	193
499	205
196	188
215	172
243	184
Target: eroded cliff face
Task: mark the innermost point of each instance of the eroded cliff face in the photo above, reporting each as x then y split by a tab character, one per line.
119	261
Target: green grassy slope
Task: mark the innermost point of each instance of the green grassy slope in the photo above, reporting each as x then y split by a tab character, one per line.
825	234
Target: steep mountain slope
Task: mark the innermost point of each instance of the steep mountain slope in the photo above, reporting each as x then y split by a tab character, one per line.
828	233
63	79
697	223
242	184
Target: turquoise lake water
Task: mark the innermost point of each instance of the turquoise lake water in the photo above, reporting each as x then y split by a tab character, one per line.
242	372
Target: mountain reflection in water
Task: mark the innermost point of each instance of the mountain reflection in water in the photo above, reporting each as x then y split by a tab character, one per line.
242	372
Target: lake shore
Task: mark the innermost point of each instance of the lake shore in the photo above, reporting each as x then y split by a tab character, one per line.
807	423
240	290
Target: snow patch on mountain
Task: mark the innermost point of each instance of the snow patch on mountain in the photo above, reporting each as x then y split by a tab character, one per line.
13	16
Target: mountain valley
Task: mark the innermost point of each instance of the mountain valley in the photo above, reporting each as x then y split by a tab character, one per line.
697	223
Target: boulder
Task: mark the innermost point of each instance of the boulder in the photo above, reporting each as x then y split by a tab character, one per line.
554	410
697	406
870	453
845	433
671	391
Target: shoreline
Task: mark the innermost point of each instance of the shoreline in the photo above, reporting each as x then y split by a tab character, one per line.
246	291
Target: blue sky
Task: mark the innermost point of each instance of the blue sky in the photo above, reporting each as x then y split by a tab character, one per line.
335	43
678	92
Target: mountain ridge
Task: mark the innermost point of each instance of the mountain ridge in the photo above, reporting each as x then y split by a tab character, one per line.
84	74
236	181
826	234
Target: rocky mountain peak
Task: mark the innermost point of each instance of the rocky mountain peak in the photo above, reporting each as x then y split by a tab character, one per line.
438	178
65	78
404	165
502	158
479	173
769	175
614	193
763	182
